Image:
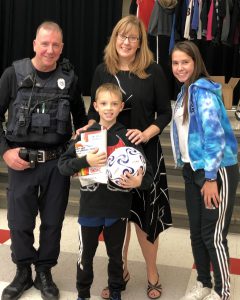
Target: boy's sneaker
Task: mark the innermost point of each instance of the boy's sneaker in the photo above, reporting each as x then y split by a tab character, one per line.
198	292
212	296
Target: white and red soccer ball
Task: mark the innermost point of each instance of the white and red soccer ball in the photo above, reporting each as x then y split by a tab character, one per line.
122	160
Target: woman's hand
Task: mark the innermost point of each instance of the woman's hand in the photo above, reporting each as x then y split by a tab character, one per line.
137	136
84	128
210	194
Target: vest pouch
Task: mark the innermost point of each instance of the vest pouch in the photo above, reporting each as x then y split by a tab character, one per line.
40	122
22	123
63	116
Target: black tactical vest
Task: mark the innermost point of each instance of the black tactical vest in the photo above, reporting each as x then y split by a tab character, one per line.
41	110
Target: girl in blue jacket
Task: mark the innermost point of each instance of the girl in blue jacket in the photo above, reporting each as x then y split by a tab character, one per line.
204	145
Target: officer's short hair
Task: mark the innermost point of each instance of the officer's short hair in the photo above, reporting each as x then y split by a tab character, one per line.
50	25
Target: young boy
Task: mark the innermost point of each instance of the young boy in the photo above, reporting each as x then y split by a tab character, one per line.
104	207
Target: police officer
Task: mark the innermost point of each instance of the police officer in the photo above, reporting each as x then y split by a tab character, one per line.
40	95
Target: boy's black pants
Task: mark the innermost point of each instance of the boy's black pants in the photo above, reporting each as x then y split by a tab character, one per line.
114	236
209	227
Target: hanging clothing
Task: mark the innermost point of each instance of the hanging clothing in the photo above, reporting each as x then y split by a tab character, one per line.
144	10
192	20
162	22
162	18
204	16
209	22
226	21
199	31
188	20
234	32
133	7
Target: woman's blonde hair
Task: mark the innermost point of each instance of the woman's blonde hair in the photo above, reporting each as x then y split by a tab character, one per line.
144	56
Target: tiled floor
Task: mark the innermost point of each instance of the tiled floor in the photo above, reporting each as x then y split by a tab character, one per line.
174	264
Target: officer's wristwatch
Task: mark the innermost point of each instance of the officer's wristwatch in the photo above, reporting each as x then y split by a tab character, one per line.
210	179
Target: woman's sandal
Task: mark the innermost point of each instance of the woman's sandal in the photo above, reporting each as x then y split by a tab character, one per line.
154	287
105	292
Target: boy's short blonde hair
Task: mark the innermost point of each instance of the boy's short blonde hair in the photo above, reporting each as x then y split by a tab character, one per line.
111	88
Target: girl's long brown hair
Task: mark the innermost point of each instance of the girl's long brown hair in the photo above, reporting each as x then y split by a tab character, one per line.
199	69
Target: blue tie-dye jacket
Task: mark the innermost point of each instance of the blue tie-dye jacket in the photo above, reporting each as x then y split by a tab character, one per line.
211	141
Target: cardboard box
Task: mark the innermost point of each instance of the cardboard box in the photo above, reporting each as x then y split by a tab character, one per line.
227	89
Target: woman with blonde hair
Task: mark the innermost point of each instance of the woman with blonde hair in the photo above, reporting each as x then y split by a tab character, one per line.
129	63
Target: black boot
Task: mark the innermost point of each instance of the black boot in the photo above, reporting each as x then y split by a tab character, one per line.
21	282
115	295
45	284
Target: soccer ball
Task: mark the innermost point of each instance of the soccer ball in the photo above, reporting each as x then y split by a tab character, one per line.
124	159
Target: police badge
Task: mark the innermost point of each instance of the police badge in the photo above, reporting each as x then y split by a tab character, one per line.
61	83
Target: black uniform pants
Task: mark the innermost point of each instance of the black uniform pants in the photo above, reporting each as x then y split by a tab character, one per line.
209	227
40	190
114	236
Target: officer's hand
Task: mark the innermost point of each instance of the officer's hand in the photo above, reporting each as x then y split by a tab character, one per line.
12	159
96	159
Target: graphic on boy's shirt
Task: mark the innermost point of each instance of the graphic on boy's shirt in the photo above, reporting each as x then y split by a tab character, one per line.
119	144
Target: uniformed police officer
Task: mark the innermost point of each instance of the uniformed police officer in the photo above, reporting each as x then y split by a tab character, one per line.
40	95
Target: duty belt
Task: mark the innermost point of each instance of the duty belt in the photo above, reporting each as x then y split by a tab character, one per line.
45	155
34	156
